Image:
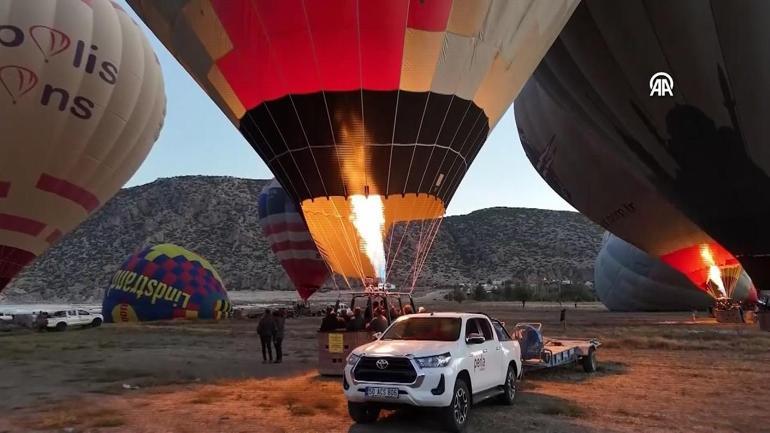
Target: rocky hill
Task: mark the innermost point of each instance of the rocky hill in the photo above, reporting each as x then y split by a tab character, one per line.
217	218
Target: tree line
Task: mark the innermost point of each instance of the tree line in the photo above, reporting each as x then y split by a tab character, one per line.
573	292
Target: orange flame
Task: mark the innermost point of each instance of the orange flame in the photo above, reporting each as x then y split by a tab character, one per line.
714	275
368	217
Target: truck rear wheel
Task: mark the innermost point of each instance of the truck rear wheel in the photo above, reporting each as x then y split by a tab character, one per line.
590	364
456	415
509	387
363	413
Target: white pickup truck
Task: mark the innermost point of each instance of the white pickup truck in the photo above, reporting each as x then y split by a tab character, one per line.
441	360
61	320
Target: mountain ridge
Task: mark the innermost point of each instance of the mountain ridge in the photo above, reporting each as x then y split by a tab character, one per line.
217	217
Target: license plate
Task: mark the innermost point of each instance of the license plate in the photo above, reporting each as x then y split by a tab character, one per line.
381	392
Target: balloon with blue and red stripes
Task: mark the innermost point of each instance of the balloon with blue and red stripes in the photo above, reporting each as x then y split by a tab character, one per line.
291	241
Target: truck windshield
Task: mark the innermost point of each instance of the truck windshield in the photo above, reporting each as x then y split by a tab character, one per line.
425	328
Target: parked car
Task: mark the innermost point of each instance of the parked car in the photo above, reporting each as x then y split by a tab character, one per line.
61	320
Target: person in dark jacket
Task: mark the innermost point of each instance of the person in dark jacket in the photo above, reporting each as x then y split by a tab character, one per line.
329	323
357	323
280	320
266	330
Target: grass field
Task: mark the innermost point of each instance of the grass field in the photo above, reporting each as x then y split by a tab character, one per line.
658	373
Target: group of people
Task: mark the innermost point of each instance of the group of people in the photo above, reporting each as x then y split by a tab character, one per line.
270	330
373	319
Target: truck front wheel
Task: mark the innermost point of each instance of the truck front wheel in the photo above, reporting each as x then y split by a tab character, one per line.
457	413
363	413
61	326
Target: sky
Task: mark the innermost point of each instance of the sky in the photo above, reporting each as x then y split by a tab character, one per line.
197	139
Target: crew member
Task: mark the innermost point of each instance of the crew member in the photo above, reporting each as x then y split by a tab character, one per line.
266	330
280	321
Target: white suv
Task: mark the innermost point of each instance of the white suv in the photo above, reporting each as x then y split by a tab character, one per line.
60	320
441	360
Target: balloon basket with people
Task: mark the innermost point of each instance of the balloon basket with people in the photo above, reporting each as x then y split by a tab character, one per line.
345	327
728	310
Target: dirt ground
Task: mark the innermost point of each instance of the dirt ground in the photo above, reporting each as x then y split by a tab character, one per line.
659	372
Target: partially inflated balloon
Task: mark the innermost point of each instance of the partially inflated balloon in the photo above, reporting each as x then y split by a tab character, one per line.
574	161
289	238
702	146
81	103
369	112
628	279
165	282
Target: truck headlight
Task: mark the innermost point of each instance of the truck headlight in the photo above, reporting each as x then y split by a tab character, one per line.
353	359
435	361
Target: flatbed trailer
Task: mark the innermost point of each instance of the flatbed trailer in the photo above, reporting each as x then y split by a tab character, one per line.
539	352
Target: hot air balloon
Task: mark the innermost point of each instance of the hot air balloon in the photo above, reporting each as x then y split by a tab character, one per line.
165	282
628	279
289	238
369	113
701	146
602	186
81	103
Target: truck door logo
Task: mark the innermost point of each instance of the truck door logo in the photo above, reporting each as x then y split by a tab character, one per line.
479	363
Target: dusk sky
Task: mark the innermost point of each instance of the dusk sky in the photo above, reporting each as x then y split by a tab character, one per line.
197	139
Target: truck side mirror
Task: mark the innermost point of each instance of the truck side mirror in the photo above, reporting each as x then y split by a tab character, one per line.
377	335
474	338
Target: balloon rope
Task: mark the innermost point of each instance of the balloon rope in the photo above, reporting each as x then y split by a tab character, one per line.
419	248
398	247
417	253
432	237
427	244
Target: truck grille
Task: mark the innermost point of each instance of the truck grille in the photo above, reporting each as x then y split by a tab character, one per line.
398	370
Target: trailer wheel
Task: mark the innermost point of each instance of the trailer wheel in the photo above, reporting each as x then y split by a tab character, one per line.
590	364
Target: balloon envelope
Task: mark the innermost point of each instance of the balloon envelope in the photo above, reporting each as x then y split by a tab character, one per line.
165	282
703	147
81	103
386	100
628	279
289	238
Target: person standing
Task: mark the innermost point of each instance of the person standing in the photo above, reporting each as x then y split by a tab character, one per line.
379	323
357	323
266	331
329	322
41	321
280	321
